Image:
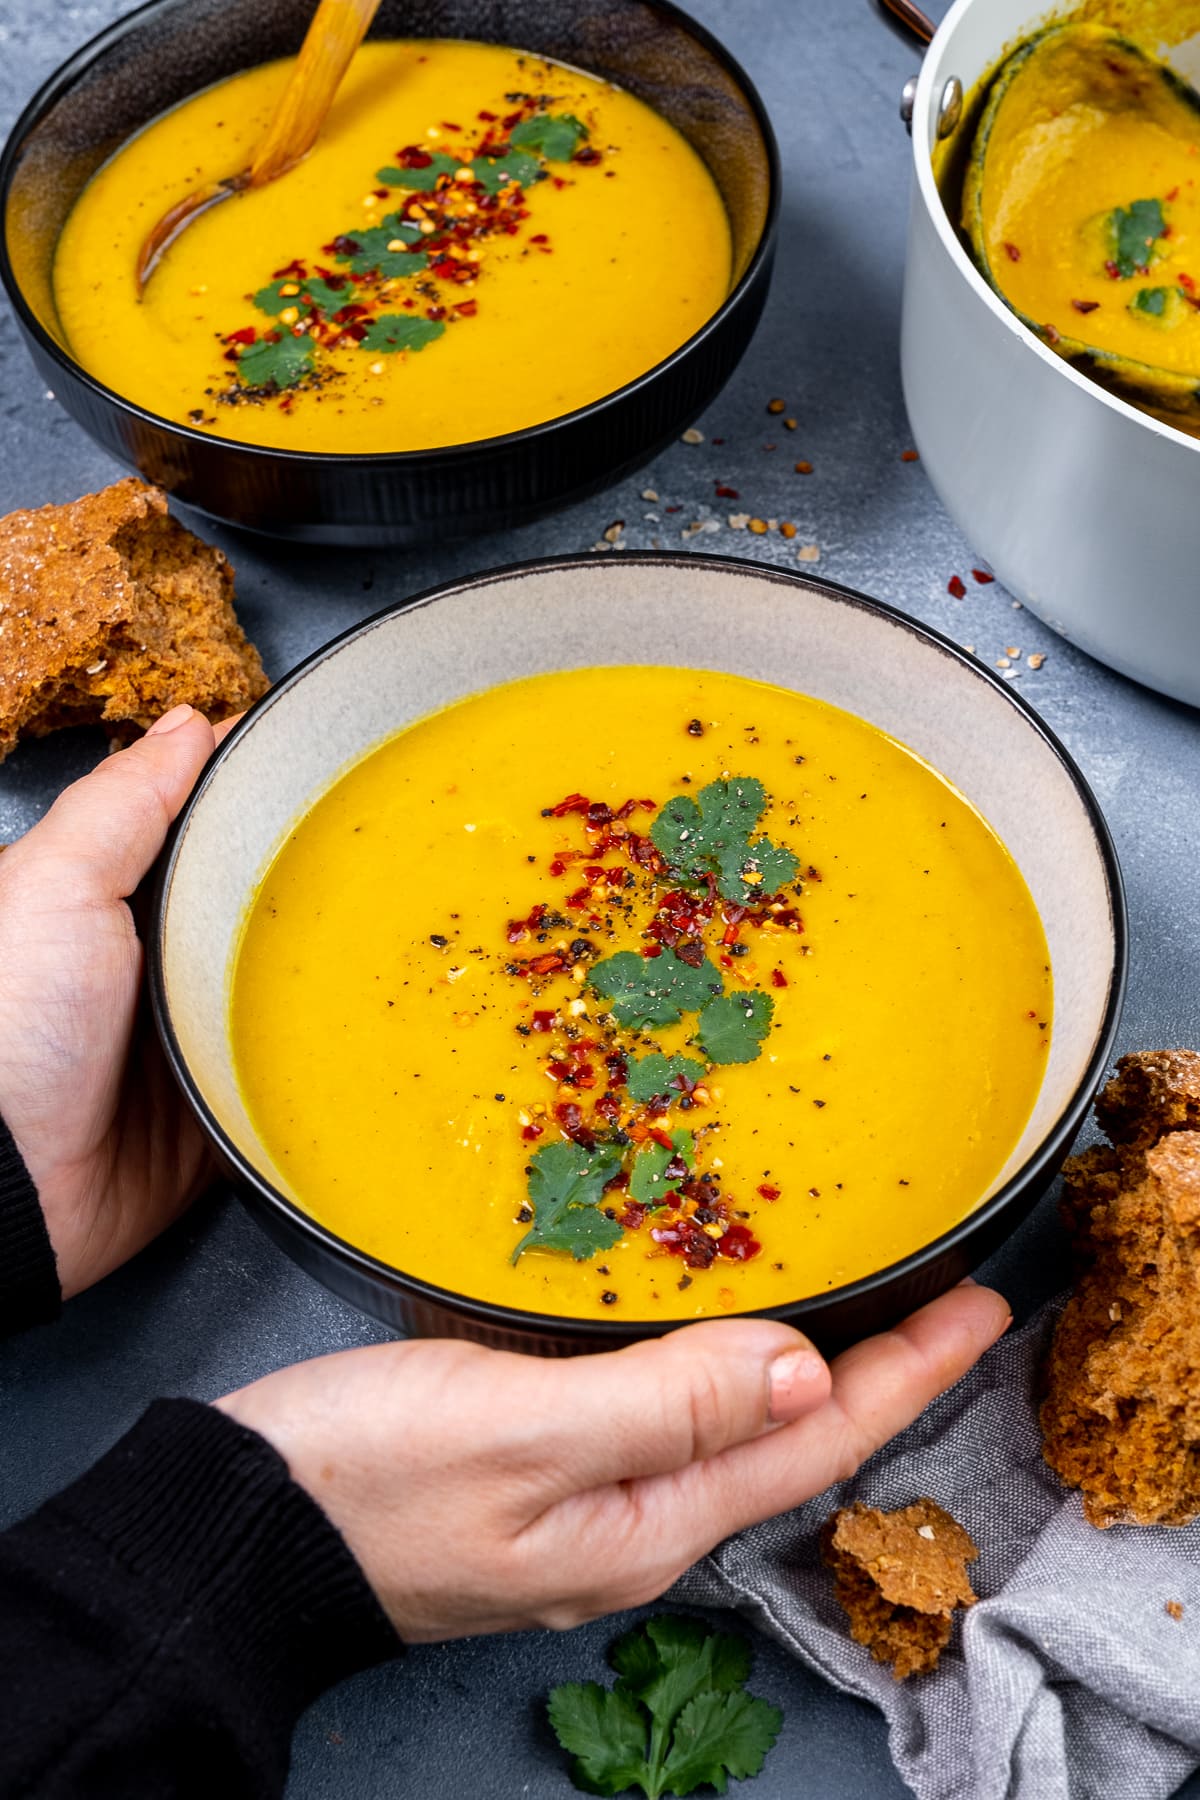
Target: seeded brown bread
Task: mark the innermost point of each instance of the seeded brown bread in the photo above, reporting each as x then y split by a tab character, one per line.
900	1577
112	612
1121	1417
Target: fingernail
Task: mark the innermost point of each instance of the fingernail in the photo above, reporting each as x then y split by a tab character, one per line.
171	721
796	1382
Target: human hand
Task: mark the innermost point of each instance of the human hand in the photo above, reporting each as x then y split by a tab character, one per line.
111	1148
482	1491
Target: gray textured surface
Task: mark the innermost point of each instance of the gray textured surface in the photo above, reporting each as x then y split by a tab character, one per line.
215	1304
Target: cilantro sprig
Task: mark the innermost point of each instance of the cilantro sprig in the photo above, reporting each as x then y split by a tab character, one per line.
714	835
653	990
1133	235
677	1718
566	1185
650	1182
265	366
557	135
656	1077
732	1027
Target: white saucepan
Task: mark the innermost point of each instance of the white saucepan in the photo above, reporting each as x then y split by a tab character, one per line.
1087	509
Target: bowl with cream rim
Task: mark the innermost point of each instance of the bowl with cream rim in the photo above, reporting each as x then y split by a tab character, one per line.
536	992
530	244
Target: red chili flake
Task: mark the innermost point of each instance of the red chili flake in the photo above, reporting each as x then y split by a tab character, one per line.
352	310
608	1106
650	951
382	193
1085	306
726	962
579	898
634	1215
618	1069
599	814
445	267
1012	253
729	935
570	1118
956	586
295	268
572	804
778	978
548	964
1051	333
435	312
726	493
246	335
588	155
413	157
648	805
910	456
768	1192
539	237
342	246
672	509
982	577
738	1244
1112	271
1186	283
1173	195
487	117
559	1070
542	1021
530	1132
449	125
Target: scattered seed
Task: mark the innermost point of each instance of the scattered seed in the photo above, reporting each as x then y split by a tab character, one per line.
614	531
809	553
1036	660
803	468
910	456
790	424
692	436
758	527
776	406
787	529
649	494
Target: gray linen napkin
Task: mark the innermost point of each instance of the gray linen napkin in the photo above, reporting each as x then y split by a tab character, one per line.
1068	1680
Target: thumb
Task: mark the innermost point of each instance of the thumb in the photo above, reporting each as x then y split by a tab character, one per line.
103	832
672	1401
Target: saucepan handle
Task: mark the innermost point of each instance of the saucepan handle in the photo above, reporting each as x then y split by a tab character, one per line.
906	20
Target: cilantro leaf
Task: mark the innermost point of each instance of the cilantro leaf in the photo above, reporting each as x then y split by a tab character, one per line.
496	172
649	1182
1133	231
732	1028
605	1731
270	365
692	1660
557	135
678	1717
566	1184
419	181
371	252
652	1077
312	292
400	331
653	991
719	1734
712	835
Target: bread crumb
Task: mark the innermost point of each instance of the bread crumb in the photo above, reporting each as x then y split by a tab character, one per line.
111	612
900	1577
1121	1417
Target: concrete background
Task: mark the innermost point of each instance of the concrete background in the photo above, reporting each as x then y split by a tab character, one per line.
214	1304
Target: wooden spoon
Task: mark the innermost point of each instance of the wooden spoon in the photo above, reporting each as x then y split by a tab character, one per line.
338	28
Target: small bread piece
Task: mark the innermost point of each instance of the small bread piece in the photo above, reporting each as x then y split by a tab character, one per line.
900	1576
1121	1417
111	611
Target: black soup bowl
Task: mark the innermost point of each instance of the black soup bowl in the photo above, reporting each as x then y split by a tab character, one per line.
171	49
682	612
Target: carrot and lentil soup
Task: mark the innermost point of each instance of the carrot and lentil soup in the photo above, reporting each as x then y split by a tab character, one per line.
756	1006
480	240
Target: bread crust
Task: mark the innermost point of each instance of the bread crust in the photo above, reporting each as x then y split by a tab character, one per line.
112	612
1121	1414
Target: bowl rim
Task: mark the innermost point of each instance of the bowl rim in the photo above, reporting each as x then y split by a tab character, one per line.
1042	1161
926	186
58	85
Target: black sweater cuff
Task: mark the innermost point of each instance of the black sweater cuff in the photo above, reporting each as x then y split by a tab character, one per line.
29	1289
165	1620
204	1509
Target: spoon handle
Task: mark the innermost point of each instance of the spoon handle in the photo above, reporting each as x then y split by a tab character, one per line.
337	29
906	19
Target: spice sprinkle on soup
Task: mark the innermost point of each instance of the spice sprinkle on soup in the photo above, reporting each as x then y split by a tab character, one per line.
480	240
755	1007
